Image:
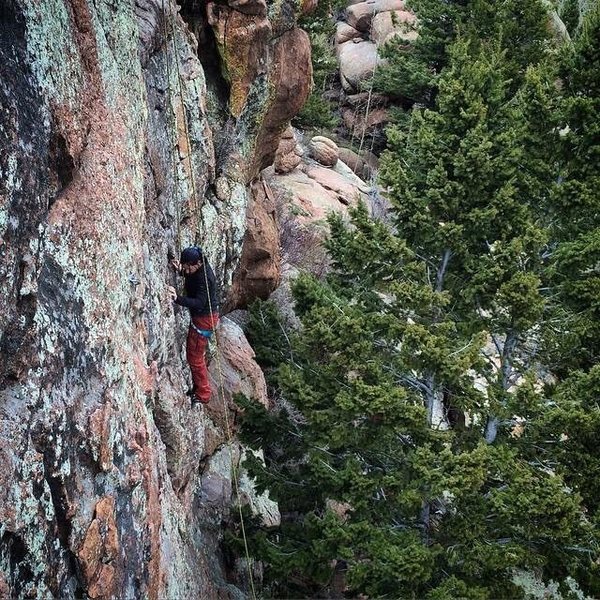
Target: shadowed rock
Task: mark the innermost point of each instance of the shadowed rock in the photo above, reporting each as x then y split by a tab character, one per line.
258	273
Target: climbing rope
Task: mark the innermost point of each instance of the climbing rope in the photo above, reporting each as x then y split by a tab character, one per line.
195	200
234	468
171	127
367	110
353	134
196	205
368	107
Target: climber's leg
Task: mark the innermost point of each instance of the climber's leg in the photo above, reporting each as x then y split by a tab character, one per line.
195	349
196	357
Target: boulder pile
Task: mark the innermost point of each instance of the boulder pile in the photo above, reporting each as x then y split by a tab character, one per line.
359	39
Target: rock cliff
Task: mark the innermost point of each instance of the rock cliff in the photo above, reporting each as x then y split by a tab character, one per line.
127	130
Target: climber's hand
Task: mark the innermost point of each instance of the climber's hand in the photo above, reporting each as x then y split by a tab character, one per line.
172	293
176	265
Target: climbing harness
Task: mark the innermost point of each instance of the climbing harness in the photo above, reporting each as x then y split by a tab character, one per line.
207	333
196	206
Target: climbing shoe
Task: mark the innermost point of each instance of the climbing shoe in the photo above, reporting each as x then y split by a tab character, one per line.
198	400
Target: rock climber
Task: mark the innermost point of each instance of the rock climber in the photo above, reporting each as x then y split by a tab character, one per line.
201	299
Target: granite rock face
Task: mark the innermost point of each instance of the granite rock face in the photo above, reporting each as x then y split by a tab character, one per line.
289	153
393	23
303	197
115	143
266	61
323	150
258	272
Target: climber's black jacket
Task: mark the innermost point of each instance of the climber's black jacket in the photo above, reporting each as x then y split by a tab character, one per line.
196	296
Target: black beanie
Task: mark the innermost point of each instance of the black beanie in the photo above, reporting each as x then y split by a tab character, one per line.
191	255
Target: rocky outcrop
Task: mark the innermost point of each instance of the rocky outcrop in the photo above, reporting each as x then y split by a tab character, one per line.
393	23
115	151
358	60
360	15
345	32
303	198
240	373
364	164
289	154
369	119
323	150
258	273
273	89
368	26
311	191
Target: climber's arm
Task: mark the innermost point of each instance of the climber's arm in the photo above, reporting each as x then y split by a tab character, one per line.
197	304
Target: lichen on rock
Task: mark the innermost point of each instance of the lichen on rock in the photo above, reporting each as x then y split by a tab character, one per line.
113	135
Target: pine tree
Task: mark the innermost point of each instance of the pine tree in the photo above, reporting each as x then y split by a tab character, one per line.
365	484
567	433
465	201
320	26
396	457
576	198
412	69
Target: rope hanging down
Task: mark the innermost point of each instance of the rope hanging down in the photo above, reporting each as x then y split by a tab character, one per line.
171	127
196	205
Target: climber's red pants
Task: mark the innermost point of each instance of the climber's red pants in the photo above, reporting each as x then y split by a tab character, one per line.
196	355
